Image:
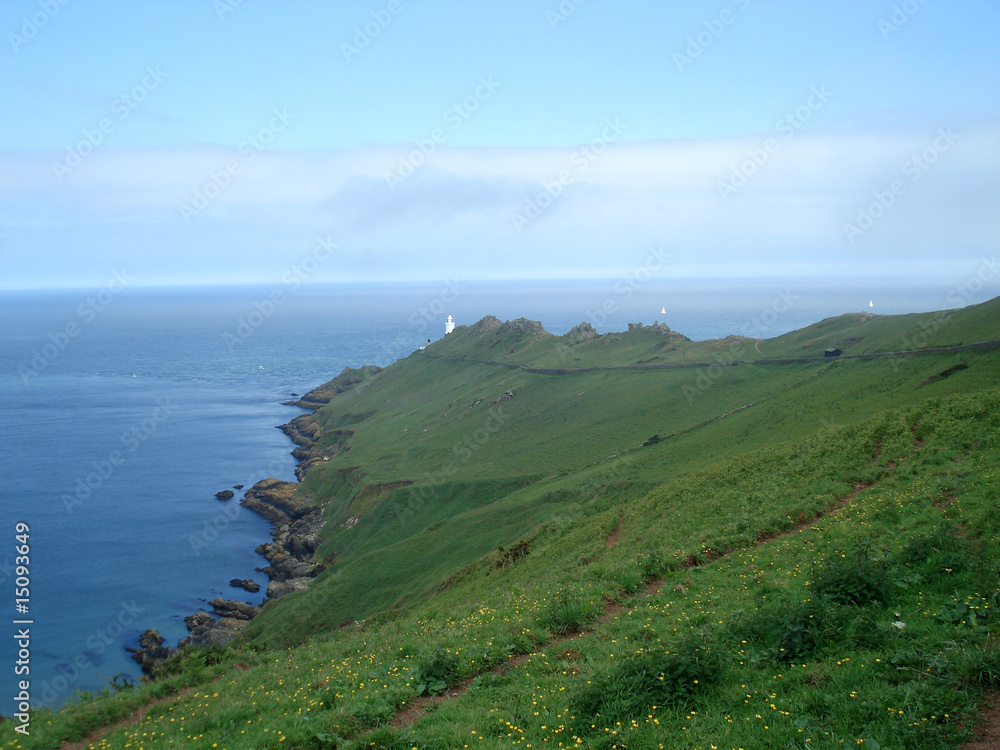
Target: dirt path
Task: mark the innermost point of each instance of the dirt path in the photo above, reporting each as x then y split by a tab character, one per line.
127	721
417	708
988	729
613	536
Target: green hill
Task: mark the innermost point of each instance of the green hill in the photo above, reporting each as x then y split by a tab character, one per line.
623	540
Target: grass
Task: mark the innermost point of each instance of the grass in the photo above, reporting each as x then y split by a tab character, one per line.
819	570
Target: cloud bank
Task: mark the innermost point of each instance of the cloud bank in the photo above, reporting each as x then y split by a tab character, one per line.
794	202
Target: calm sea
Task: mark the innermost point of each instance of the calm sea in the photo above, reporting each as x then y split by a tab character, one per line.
124	410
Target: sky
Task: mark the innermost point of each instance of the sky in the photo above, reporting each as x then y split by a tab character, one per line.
246	141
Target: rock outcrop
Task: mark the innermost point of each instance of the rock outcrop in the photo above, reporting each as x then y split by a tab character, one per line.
525	326
348	379
277	589
246	584
234	609
206	631
661	328
294	539
276	501
289	554
583	332
505	396
486	325
305	432
151	652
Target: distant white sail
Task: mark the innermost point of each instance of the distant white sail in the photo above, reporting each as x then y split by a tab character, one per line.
663	311
871	304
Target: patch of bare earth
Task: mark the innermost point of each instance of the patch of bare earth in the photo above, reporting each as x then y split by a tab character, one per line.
414	710
137	716
128	721
613	536
987	730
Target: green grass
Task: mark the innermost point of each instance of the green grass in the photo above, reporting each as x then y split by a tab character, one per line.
476	492
823	562
903	667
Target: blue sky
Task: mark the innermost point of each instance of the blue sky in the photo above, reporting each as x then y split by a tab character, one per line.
218	141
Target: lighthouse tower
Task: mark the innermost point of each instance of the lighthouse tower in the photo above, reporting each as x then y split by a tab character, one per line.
449	326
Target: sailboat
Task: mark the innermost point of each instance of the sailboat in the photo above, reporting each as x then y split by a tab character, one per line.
663	311
871	304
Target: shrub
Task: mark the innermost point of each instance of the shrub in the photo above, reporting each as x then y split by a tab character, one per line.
567	614
978	669
435	674
513	555
629	579
853	579
640	681
857	627
788	631
940	553
654	563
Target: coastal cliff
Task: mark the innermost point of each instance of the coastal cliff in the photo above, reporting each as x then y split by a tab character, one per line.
424	467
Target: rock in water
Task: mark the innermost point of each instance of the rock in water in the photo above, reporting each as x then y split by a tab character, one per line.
233	609
198	620
224	495
245	583
151	652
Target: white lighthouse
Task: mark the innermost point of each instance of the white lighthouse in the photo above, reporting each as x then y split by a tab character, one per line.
449	326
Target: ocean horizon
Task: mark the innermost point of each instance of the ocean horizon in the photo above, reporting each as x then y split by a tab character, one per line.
126	409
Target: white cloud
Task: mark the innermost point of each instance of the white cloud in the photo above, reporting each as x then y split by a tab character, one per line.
454	214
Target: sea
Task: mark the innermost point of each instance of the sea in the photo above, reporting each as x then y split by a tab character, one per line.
124	409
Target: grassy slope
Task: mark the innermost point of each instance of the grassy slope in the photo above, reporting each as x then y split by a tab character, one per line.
863	333
484	476
565	471
723	564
